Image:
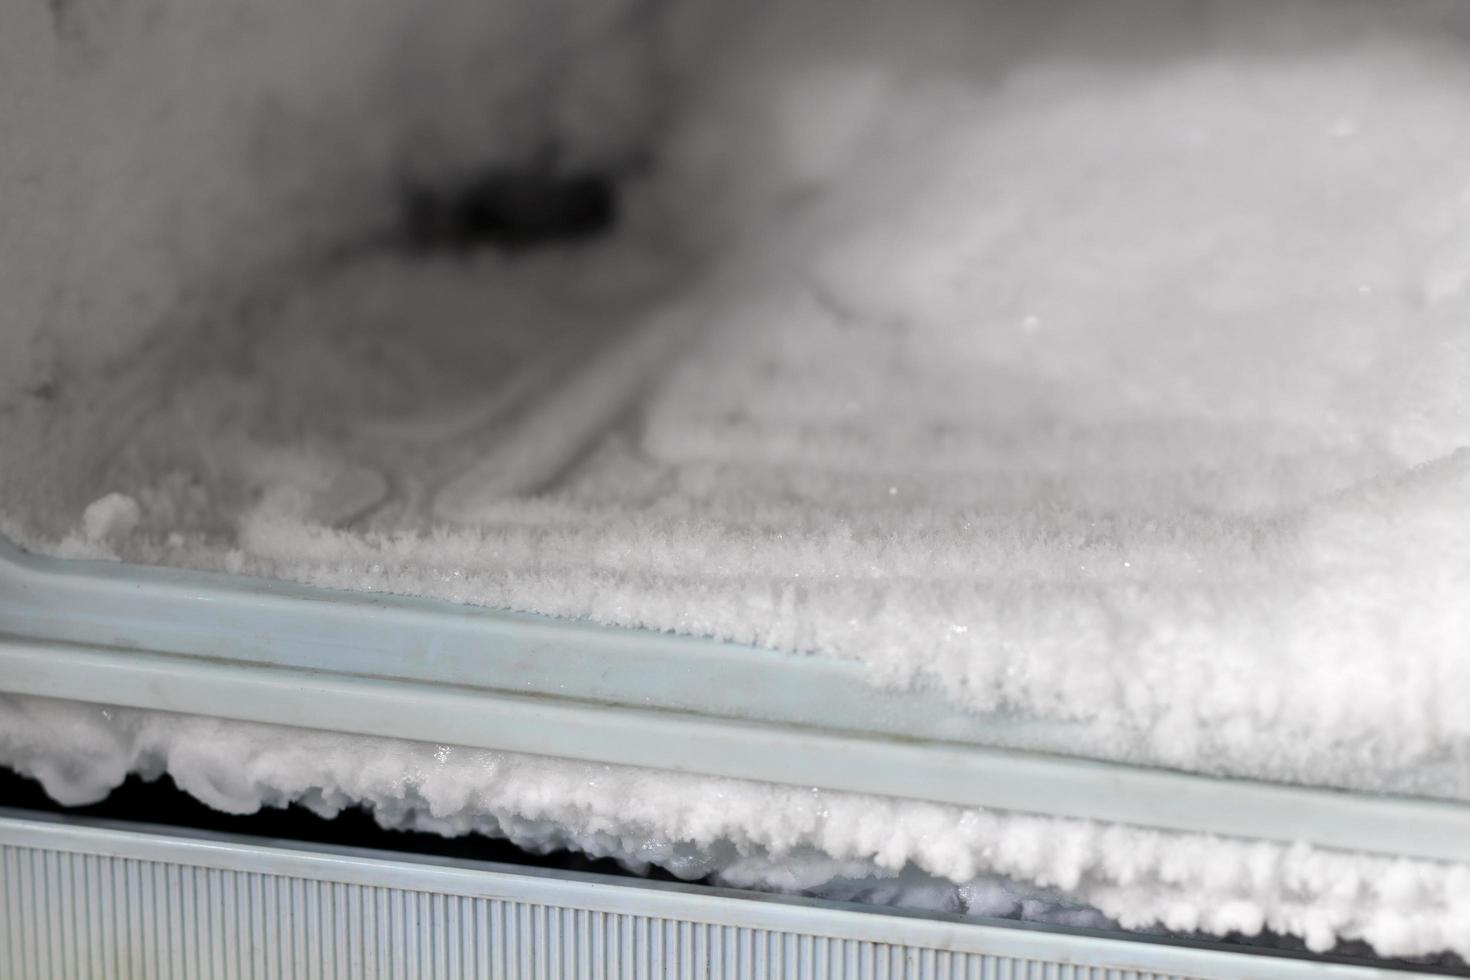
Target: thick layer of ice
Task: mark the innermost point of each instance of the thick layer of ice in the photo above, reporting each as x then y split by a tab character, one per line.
1118	381
165	163
1105	363
763	836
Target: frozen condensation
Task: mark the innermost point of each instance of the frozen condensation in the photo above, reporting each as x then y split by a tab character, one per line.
1105	364
765	836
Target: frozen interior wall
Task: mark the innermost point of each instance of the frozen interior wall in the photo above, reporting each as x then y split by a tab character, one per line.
161	159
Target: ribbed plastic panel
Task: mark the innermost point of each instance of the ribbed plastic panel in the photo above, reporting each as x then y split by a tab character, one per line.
86	900
86	916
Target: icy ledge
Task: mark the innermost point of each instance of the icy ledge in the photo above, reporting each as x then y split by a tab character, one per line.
760	835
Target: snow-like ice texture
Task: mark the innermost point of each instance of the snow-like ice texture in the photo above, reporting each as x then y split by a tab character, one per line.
1104	363
763	836
165	161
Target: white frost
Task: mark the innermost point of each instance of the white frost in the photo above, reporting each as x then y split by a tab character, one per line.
111	517
1091	387
1113	376
765	836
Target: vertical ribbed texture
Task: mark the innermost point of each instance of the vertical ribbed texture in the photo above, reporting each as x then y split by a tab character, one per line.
68	915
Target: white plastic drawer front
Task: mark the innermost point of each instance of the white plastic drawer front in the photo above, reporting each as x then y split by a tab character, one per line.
86	900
